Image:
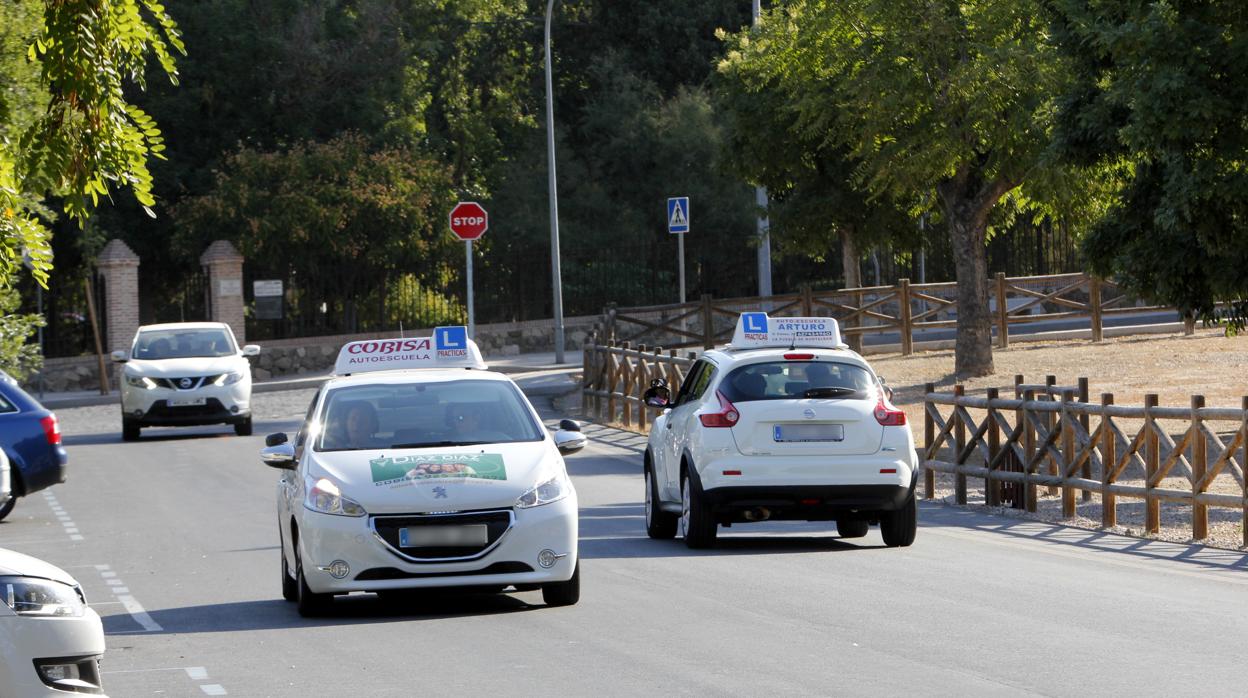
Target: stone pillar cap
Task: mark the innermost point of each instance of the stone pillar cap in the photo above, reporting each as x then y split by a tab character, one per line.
220	251
117	252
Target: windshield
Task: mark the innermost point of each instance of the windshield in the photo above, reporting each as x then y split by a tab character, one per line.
181	344
420	415
791	380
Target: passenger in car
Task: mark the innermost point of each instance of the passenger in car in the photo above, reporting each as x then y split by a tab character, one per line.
353	426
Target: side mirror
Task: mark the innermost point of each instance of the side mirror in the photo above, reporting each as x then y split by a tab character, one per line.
888	392
275	439
657	395
251	350
568	425
281	456
119	356
570	441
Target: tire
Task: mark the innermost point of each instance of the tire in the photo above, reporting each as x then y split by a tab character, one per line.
564	593
310	603
243	428
899	527
696	524
130	430
7	507
851	528
660	524
290	585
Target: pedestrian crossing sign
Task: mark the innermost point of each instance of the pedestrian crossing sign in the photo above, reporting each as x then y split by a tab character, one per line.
678	214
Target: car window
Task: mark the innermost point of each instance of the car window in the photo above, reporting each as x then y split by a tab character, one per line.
417	415
687	385
703	381
180	344
6	406
788	380
304	428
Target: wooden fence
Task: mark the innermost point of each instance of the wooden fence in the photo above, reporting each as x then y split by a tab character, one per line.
905	309
616	375
1052	436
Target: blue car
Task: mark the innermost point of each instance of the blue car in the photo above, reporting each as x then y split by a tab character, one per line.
31	438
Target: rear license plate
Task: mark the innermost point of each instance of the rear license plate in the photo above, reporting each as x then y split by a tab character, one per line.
808	432
185	401
433	536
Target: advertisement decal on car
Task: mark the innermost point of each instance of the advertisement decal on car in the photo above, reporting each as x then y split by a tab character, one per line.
400	470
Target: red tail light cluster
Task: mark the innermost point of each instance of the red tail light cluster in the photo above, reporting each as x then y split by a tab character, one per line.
727	415
51	429
889	416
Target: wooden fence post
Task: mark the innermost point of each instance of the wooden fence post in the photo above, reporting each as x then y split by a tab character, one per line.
903	311
1200	462
1085	422
1243	428
1094	300
855	340
992	486
1029	451
612	374
929	433
1050	420
1068	454
1152	457
1109	443
959	443
626	382
1003	314
642	382
1017	496
708	323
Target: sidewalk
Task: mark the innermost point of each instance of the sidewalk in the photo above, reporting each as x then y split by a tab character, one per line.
541	370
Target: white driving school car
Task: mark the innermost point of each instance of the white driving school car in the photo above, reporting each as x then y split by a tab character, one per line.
784	423
186	373
50	640
416	468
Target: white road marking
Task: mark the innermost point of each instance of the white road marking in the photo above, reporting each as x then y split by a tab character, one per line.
139	615
121	590
197	673
76	536
213	689
105	572
71	529
113	582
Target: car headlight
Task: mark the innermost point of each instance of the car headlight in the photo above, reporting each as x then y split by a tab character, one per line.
140	381
32	596
323	496
229	378
547	492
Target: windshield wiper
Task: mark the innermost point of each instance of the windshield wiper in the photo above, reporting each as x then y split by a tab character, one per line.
831	391
429	444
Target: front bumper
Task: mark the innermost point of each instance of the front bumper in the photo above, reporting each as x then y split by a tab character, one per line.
324	539
24	641
222	404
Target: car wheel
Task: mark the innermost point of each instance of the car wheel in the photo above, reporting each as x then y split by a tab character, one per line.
851	528
311	604
290	585
564	593
7	507
899	527
130	430
243	428
659	524
696	525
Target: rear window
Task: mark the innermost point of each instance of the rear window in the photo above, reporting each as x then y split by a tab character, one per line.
791	380
6	406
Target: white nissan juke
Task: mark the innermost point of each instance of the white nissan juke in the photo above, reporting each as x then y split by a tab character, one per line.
785	423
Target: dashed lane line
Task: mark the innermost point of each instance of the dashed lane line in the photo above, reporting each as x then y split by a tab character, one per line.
61	515
132	606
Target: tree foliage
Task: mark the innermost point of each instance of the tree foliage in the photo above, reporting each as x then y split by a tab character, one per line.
1159	95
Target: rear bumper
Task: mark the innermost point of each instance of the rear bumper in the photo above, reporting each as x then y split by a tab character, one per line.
50	470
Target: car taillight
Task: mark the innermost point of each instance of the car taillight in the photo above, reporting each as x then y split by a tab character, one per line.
727	415
51	429
889	416
799	357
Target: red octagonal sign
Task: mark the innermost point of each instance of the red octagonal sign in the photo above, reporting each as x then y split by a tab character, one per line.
469	220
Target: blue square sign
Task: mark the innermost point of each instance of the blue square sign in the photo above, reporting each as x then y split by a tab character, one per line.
678	214
445	338
754	322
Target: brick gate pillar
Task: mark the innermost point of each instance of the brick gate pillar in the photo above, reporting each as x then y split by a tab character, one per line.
119	266
224	265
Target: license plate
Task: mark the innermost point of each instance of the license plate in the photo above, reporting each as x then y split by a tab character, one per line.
808	432
433	536
185	401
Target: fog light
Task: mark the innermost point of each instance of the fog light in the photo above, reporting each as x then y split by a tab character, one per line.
59	672
337	569
547	558
234	409
71	674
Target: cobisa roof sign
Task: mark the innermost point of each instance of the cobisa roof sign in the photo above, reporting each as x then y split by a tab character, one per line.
449	347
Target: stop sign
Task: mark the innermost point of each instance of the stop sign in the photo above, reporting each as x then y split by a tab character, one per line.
469	220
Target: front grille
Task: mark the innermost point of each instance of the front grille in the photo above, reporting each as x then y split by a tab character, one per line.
176	383
387	573
497	523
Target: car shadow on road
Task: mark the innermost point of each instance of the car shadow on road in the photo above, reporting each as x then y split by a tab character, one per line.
354	609
178	434
619	531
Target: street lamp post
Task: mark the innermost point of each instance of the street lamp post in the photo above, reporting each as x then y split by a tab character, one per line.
760	198
555	273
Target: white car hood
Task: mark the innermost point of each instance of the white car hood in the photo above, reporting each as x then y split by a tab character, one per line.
389	481
191	366
15	564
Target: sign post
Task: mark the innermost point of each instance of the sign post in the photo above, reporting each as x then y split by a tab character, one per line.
678	225
469	222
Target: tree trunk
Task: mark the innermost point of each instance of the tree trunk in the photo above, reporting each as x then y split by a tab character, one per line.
967	201
849	259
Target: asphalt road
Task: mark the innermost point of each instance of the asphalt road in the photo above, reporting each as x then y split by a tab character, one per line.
175	541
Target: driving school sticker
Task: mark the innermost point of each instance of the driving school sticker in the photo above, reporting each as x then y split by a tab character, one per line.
399	470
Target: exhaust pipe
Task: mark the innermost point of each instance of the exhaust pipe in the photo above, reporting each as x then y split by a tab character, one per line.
759	514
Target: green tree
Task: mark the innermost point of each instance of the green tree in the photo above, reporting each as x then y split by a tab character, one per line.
955	98
1160	95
